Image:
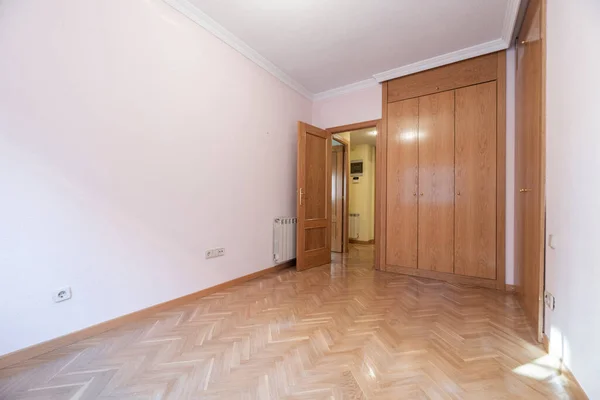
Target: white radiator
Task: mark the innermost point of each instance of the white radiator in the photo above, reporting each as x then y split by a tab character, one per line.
284	239
354	226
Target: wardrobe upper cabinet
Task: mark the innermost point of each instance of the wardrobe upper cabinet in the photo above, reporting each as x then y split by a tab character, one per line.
436	182
402	183
475	180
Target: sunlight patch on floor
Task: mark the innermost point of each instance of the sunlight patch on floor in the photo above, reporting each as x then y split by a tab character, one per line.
540	369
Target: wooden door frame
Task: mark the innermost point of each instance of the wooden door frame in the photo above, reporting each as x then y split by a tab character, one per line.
345	194
542	197
376	123
381	204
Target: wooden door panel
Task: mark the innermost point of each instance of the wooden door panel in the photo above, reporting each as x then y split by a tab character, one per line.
316	180
337	199
313	241
436	182
475	180
401	185
529	166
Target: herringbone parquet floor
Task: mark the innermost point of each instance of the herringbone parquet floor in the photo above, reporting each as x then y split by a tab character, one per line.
341	331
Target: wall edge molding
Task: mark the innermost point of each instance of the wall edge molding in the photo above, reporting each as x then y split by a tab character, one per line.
196	15
444	59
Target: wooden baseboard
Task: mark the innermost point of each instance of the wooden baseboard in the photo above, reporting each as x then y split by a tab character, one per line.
443	276
68	339
355	241
511	288
563	368
546	342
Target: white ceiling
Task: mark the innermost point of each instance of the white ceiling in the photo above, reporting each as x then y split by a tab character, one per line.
325	47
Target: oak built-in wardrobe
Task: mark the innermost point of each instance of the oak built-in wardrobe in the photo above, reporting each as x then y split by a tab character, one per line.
443	185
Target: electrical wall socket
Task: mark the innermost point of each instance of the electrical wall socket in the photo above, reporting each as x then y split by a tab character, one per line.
61	294
217	252
549	300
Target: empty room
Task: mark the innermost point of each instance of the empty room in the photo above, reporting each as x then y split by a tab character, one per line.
262	199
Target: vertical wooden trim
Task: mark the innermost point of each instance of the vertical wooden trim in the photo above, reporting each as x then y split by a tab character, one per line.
377	200
454	182
546	343
300	184
418	189
380	185
346	221
501	173
542	179
337	199
346	197
328	193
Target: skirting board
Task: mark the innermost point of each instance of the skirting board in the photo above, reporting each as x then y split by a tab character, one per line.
452	278
563	369
68	339
546	343
511	288
355	241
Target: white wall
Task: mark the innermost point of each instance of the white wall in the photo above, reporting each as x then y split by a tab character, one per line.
131	140
362	105
510	164
573	193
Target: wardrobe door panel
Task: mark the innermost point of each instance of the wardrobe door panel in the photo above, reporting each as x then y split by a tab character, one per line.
475	180
436	182
402	180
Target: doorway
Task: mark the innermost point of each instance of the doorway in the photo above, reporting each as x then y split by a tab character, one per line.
314	192
355	197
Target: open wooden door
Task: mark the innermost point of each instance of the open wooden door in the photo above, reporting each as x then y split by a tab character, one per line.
530	166
313	241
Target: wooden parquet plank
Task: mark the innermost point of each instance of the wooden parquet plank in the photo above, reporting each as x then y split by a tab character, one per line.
340	331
